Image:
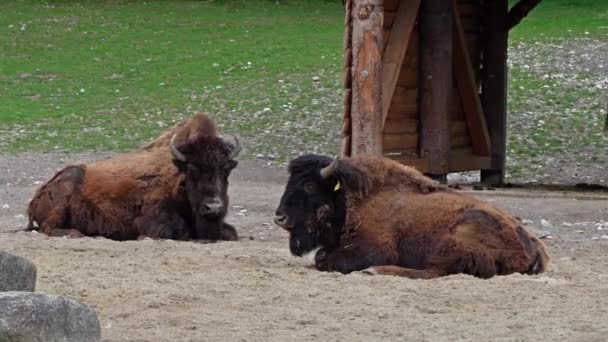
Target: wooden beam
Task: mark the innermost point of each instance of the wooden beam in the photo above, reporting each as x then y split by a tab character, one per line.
436	80
606	123
468	90
519	11
366	102
494	86
460	160
346	143
396	50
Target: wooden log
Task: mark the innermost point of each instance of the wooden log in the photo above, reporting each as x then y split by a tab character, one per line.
347	100
436	79
494	86
404	110
398	126
519	11
366	109
400	141
468	90
396	49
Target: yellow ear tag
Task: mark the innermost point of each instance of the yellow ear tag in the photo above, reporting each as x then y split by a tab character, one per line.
338	186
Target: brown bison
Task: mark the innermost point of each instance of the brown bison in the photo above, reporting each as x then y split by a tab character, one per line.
173	188
374	214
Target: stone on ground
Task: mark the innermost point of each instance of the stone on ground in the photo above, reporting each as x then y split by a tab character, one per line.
37	317
16	273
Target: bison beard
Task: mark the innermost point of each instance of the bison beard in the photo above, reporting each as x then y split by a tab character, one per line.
173	188
373	214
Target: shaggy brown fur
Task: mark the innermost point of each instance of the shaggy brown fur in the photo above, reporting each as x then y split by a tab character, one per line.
390	219
146	193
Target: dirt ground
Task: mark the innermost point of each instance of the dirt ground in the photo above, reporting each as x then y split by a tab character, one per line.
254	290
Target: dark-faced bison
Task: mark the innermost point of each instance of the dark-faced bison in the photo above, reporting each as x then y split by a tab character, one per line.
374	214
173	188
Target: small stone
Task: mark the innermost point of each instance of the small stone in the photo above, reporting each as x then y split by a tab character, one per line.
543	234
595	238
545	223
477	187
526	221
16	273
605	237
6	206
26	316
316	78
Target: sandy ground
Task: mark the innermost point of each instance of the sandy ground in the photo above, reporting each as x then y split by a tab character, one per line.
254	290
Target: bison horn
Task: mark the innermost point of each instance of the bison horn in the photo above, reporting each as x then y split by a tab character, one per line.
177	155
329	169
235	143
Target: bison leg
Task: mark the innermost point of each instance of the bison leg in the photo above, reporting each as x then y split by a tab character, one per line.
403	272
50	206
352	257
228	233
157	224
72	233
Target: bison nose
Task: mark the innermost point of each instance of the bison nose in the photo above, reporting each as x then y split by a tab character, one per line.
280	220
212	207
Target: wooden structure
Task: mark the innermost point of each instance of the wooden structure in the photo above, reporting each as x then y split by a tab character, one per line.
426	82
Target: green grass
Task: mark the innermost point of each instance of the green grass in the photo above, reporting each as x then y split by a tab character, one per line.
118	68
109	75
564	19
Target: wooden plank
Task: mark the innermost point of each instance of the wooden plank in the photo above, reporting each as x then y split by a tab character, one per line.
460	160
494	86
408	78
469	92
399	141
458	127
396	50
436	79
459	140
398	126
346	133
464	160
366	108
402	110
419	164
391	5
389	18
405	95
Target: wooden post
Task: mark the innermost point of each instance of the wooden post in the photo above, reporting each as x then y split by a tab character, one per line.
436	83
366	103
494	86
348	59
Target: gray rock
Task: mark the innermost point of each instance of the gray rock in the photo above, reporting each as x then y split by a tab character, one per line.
542	234
37	317
16	273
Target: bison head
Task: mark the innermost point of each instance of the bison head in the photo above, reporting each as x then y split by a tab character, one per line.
312	208
205	161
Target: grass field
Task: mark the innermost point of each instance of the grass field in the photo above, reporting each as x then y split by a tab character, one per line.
108	75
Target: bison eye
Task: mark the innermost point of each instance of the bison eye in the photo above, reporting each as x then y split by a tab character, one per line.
309	188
